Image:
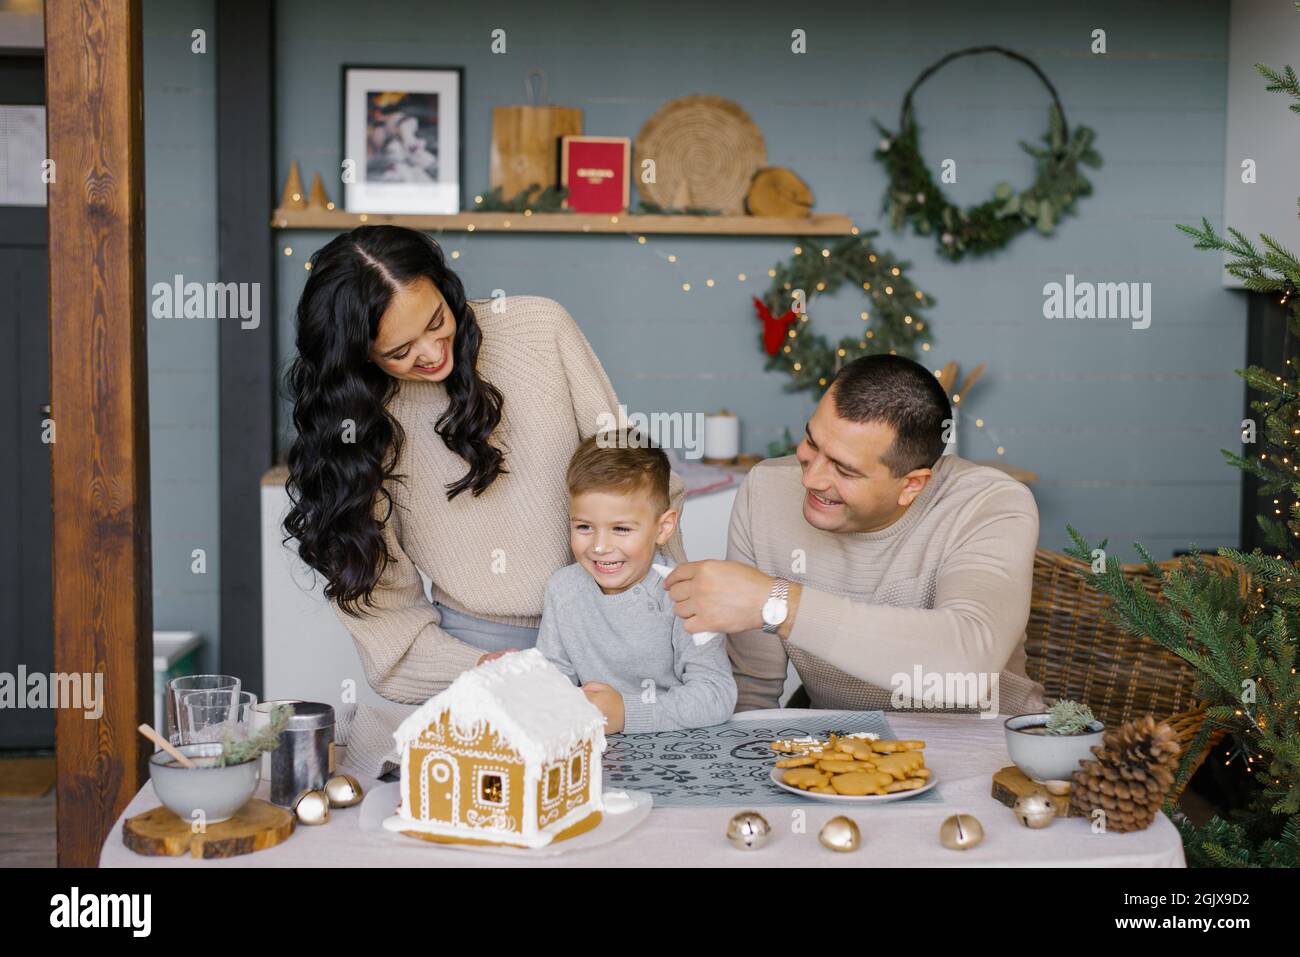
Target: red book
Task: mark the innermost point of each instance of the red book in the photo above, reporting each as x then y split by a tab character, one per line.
595	170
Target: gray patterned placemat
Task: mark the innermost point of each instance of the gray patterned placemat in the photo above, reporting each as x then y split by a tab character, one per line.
727	764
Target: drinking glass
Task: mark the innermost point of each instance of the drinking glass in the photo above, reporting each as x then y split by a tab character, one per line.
187	683
210	715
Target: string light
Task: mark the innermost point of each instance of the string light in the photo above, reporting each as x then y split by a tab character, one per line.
803	316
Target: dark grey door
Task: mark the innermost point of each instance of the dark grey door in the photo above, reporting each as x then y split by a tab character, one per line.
26	635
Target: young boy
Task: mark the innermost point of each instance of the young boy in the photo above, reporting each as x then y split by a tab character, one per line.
607	622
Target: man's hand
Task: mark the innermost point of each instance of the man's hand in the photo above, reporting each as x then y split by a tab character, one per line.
610	703
721	596
492	656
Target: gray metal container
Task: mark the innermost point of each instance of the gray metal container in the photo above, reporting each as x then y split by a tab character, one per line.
302	761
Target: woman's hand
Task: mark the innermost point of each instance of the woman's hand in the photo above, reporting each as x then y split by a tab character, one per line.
610	703
492	656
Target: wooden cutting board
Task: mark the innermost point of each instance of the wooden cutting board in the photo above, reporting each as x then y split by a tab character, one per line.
526	145
255	827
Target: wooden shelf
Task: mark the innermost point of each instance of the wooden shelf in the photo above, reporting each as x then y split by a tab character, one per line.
819	224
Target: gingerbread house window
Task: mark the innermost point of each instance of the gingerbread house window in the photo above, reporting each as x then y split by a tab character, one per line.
576	772
553	783
491	788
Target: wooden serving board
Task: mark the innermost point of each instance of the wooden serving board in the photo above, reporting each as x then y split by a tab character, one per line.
255	827
526	145
1011	783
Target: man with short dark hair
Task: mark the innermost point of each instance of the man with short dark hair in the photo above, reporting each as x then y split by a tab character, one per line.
892	575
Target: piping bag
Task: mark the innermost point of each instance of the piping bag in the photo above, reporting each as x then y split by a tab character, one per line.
701	637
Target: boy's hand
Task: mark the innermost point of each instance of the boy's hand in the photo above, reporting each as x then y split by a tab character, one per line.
492	656
610	703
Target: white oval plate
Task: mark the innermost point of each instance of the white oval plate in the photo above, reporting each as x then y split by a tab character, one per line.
851	798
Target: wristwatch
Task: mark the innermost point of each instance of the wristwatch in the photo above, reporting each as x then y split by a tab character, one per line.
777	606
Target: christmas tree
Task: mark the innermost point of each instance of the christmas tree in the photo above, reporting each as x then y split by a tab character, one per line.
1242	641
1273	270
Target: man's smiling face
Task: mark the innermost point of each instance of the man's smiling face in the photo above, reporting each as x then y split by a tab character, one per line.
847	486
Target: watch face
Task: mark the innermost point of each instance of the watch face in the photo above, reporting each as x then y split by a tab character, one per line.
774	611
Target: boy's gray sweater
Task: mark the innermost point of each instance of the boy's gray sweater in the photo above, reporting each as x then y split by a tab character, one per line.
634	643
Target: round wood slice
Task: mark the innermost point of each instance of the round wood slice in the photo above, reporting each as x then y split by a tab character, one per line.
255	827
706	151
777	191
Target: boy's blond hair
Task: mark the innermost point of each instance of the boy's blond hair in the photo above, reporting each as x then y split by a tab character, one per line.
622	461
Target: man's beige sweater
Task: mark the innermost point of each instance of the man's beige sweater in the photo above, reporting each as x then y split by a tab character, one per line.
944	589
489	556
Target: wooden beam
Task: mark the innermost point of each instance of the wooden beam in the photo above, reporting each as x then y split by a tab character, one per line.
245	250
103	614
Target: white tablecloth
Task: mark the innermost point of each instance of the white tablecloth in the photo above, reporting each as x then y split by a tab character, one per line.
963	750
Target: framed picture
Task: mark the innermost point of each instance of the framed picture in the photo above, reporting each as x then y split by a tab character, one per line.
402	131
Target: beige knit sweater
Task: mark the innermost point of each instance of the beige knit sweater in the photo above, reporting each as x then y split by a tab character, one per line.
944	589
488	556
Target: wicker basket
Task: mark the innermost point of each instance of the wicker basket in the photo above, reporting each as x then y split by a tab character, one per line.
1075	652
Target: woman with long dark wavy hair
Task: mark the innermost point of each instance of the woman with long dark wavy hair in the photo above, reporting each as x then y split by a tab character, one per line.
433	435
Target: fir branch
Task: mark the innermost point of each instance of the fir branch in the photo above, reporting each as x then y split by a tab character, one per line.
266	739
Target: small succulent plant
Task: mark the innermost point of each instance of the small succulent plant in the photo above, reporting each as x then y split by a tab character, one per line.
267	739
1069	717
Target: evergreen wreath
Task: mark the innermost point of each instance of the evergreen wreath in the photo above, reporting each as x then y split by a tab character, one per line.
913	196
891	317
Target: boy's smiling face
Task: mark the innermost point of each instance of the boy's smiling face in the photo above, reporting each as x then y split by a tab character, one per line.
614	535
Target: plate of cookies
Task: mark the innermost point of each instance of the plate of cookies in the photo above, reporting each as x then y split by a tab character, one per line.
856	769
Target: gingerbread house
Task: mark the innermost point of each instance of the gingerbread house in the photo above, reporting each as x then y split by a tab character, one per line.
508	754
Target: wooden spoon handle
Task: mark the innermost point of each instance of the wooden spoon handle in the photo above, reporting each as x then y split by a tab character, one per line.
166	745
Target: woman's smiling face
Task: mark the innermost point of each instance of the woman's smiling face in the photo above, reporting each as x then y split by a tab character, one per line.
416	333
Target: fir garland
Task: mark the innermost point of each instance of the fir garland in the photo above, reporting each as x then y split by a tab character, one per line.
531	198
891	316
913	196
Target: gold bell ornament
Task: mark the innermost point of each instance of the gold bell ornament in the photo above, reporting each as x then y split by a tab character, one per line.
840	834
961	832
312	807
1034	810
343	790
748	830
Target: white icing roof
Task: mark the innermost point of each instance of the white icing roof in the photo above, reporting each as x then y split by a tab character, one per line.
524	698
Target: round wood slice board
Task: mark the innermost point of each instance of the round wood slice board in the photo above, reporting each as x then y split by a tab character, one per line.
706	152
256	826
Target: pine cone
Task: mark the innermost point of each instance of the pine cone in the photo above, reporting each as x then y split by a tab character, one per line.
1134	770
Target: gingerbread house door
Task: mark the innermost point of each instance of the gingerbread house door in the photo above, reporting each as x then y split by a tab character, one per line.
440	789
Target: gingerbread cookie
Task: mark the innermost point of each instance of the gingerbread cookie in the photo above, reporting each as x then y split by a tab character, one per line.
798	761
805	778
834	766
900	764
860	782
890	747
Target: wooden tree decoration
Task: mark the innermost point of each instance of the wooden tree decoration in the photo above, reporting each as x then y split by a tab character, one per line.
293	196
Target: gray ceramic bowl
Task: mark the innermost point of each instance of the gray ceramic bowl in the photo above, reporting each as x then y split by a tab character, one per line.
1048	757
217	791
